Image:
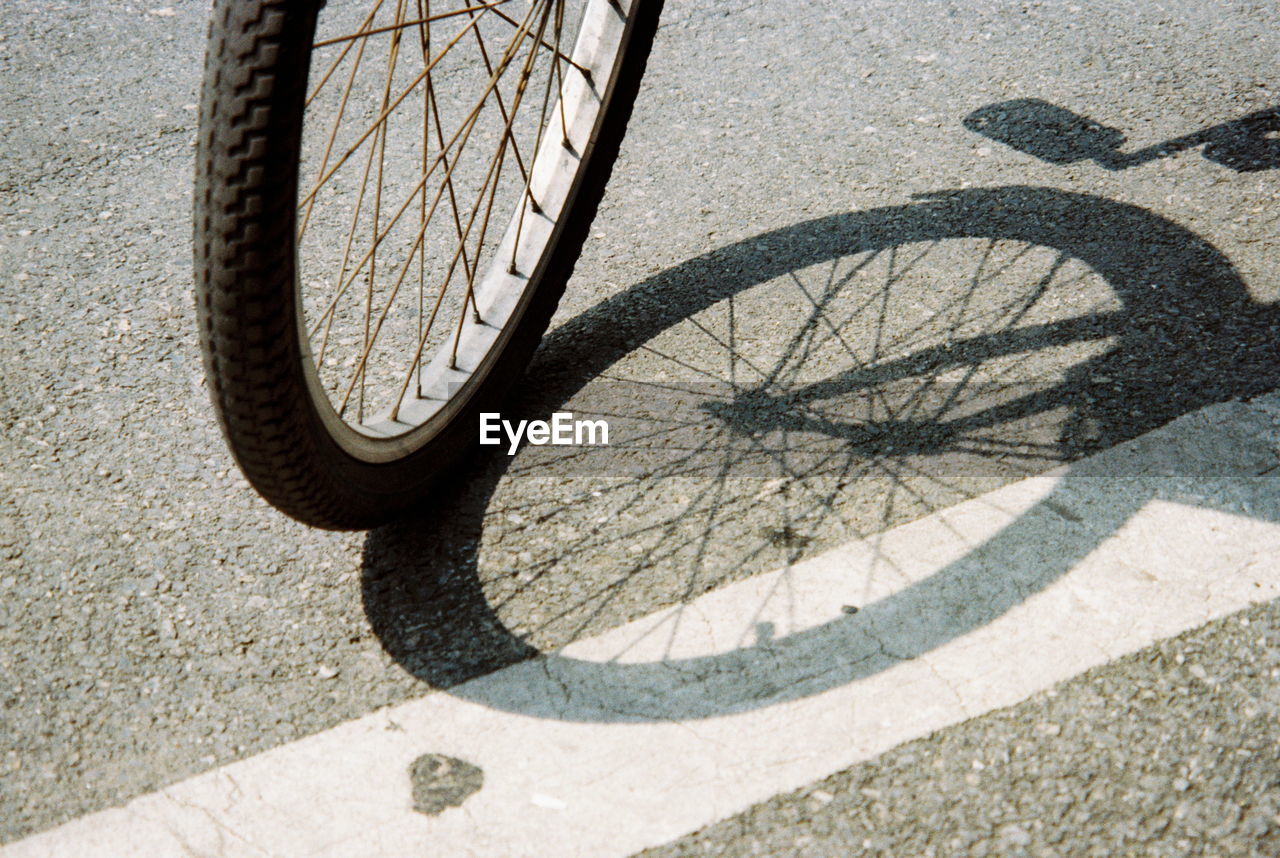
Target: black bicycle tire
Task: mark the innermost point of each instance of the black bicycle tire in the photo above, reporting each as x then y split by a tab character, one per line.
245	198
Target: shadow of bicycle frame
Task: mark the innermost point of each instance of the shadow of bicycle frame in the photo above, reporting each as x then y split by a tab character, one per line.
1194	337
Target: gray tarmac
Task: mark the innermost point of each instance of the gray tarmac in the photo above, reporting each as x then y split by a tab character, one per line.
1169	751
866	205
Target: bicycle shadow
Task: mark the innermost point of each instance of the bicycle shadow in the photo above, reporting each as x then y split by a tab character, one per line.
1178	332
1058	136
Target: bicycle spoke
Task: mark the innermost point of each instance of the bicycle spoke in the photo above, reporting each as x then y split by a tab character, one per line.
341	56
484	228
519	96
346	251
586	72
325	431
406	24
564	126
424	40
393	54
333	133
382	118
502	110
469	124
453	199
526	194
464	132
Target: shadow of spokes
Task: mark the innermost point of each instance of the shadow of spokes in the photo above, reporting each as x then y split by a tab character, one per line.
1186	334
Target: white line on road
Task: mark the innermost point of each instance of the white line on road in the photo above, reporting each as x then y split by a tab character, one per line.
658	727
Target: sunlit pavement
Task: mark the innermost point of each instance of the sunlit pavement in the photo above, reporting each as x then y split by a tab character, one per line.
884	306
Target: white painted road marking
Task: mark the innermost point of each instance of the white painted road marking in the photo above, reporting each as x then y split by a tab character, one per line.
658	727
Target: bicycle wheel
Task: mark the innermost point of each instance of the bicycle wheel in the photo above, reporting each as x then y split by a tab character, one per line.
390	197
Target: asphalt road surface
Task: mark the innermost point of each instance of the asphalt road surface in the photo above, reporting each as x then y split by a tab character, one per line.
1057	224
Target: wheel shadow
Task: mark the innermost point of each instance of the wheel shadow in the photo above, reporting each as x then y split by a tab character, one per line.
1087	324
